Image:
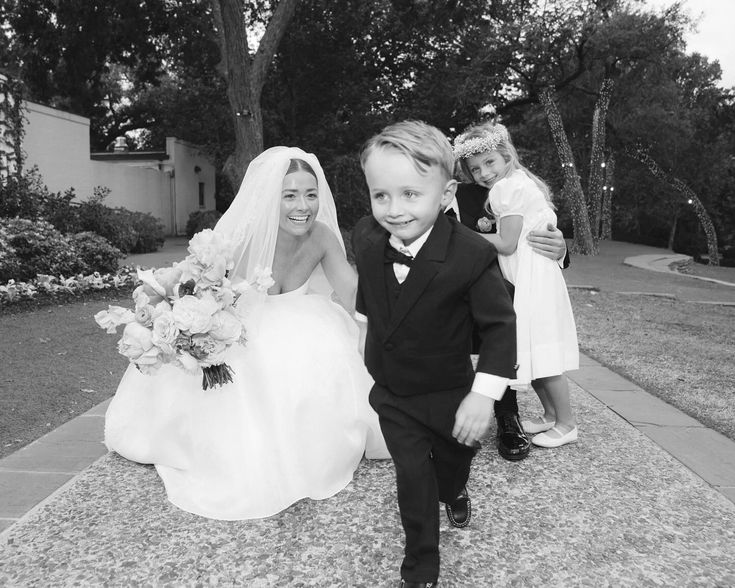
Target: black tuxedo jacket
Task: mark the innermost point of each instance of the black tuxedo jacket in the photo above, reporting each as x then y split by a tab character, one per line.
424	344
471	199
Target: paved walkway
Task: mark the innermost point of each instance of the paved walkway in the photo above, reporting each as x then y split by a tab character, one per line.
646	498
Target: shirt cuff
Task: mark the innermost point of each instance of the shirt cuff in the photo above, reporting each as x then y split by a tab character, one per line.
489	385
359	317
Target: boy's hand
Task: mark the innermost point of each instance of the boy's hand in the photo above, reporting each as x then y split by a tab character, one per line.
472	419
549	243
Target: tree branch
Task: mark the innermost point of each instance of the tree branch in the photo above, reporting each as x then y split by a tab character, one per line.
269	43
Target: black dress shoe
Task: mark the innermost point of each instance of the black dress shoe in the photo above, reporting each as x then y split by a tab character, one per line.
460	511
405	584
513	443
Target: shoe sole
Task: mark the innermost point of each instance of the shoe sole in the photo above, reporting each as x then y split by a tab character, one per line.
514	456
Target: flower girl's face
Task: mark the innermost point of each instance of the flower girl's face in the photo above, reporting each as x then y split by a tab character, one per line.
487	167
299	202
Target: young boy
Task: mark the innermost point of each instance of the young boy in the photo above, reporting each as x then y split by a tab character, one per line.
420	307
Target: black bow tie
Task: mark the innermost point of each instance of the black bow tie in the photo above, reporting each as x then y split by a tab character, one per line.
394	256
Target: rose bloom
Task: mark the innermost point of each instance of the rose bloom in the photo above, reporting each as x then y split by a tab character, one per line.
194	314
165	333
113	317
208	247
225	327
137	345
214	273
144	315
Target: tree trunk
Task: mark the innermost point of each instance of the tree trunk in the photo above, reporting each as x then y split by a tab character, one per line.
607	195
246	75
672	232
597	157
690	197
584	243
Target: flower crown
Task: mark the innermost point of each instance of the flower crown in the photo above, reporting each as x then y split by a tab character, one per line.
465	147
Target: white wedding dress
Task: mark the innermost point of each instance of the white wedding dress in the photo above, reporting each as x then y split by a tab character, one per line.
294	423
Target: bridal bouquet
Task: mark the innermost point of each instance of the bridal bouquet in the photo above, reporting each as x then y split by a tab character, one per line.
188	314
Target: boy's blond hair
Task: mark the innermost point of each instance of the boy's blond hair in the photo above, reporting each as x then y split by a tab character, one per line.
423	144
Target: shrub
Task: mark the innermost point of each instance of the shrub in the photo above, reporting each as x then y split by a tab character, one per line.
95	253
38	249
128	231
22	196
62	212
149	231
9	262
200	220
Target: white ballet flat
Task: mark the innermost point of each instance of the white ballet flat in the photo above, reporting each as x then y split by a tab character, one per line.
546	440
537	425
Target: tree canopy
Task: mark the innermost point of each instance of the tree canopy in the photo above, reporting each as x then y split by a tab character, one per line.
340	70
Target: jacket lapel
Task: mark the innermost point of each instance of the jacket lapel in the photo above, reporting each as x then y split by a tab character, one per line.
422	271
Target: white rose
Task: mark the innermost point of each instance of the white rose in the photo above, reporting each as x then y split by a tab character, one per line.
193	314
208	247
137	345
165	332
225	327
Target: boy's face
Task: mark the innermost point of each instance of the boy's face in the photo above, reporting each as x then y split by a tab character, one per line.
405	202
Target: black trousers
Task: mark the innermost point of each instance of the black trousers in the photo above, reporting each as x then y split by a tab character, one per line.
508	404
431	467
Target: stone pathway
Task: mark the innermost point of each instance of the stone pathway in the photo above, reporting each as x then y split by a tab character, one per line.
646	498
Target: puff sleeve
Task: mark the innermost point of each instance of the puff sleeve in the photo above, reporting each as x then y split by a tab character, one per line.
509	195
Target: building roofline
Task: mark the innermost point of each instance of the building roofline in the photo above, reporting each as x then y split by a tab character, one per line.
130	156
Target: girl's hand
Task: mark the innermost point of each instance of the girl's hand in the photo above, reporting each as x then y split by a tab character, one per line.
549	243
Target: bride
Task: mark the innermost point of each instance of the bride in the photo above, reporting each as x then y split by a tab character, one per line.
295	422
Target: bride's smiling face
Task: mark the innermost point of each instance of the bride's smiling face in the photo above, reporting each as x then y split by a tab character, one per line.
299	202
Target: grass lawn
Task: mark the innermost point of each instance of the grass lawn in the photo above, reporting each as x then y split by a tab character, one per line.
56	364
681	352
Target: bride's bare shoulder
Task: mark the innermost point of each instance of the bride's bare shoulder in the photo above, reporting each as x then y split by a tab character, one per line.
323	235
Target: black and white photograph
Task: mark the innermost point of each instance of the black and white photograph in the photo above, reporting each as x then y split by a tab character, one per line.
367	293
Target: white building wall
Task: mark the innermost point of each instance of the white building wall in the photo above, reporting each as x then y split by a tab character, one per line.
191	168
58	144
143	189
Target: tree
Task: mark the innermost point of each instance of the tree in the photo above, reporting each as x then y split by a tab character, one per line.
584	243
597	158
69	53
691	198
245	76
